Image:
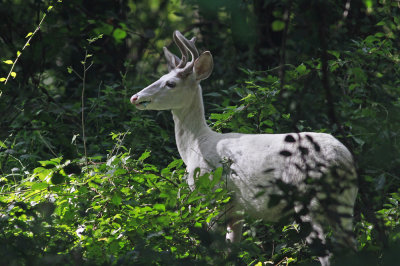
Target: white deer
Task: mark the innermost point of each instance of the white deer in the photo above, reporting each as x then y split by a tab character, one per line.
255	161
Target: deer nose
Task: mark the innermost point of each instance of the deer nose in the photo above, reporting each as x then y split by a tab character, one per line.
134	99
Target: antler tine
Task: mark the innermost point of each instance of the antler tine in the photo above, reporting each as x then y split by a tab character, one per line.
182	48
193	44
190	46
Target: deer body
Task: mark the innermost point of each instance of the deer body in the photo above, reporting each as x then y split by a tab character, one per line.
252	162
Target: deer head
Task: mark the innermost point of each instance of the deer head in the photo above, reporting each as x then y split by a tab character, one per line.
175	89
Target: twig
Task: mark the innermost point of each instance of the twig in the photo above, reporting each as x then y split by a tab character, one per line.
30	35
286	17
47	144
83	78
83	104
26	44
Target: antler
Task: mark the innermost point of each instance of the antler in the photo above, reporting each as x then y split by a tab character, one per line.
183	50
186	45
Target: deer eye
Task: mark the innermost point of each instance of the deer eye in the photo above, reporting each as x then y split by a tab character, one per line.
171	84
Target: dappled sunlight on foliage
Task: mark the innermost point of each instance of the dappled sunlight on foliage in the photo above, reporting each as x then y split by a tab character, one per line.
86	179
120	211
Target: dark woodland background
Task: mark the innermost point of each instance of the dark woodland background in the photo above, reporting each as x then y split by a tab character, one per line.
86	179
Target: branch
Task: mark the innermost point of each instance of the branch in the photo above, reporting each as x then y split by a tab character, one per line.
30	35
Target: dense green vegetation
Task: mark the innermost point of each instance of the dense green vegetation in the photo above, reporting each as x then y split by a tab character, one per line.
86	179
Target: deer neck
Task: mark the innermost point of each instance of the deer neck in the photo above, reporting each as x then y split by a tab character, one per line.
190	126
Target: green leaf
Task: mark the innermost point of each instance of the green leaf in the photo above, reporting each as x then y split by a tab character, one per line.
359	75
144	156
13	74
249	96
368	3
175	164
159	207
203	181
3	145
278	25
53	162
2	79
29	34
301	69
49	8
334	53
103	29
8	62
217	176
91	40
39	186
119	34
116	199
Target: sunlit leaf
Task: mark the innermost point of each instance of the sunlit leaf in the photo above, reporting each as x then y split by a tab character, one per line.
119	34
278	25
39	186
144	156
301	69
159	207
2	145
368	5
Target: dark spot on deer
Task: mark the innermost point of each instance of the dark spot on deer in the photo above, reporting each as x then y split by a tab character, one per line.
289	138
269	170
310	139
299	167
303	150
285	153
317	148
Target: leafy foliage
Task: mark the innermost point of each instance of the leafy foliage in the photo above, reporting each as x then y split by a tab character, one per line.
76	173
120	211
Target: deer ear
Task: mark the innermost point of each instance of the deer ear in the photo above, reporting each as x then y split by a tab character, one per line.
172	60
203	66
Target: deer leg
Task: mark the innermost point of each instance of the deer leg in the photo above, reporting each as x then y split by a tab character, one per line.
317	230
234	230
318	233
342	228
